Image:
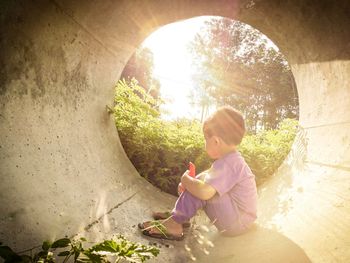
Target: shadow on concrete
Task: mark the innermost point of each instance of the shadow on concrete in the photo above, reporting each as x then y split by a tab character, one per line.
258	245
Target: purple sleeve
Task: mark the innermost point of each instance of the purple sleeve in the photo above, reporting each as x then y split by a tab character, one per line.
222	176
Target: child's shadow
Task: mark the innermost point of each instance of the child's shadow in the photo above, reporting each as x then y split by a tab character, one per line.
258	245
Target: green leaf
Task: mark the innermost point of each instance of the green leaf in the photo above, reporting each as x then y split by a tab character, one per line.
42	254
76	254
60	243
63	253
46	245
106	246
8	255
94	257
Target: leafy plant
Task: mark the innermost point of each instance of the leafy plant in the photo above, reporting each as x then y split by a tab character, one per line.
160	150
243	70
69	249
265	151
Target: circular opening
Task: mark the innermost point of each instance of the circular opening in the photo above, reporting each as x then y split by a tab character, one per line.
181	74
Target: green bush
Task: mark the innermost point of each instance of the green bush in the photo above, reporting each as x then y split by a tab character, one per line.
265	151
160	150
117	249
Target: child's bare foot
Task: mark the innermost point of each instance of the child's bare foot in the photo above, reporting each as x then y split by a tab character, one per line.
165	215
161	215
165	229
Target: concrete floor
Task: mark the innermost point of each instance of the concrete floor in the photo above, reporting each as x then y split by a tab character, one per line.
64	171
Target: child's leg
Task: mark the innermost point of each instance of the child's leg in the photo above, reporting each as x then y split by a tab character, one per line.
225	215
186	207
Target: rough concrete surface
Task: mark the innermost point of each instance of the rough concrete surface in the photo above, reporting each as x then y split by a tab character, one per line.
64	171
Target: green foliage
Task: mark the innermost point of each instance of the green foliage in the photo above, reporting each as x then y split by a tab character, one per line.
236	66
123	249
160	150
265	151
140	66
116	249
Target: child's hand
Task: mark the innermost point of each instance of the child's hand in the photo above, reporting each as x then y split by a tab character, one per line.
187	173
180	189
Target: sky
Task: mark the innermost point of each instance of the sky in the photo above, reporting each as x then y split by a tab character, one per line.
173	65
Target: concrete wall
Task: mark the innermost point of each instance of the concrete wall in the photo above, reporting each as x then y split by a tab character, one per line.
63	170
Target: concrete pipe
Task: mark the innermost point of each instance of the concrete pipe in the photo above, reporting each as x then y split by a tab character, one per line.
64	171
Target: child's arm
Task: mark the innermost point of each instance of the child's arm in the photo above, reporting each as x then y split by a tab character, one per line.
197	187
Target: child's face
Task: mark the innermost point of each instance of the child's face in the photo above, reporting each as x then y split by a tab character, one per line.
212	146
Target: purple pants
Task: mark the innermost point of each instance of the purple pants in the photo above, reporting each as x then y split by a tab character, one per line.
221	210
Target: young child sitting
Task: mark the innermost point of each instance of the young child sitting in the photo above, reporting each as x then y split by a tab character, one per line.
227	191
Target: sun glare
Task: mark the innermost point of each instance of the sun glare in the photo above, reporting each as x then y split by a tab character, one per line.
173	65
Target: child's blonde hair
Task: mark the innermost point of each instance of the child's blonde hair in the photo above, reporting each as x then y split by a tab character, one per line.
226	123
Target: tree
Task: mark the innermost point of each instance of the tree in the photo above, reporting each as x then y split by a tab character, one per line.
238	67
140	66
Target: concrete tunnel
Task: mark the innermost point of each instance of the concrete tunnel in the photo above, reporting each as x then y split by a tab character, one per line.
64	171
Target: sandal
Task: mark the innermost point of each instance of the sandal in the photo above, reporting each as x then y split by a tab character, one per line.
162	235
165	215
167	236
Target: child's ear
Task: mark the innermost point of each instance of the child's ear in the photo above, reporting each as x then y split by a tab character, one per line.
217	140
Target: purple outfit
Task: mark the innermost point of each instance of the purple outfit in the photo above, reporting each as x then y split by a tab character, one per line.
233	207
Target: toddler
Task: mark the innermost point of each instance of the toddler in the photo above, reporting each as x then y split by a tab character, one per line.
226	192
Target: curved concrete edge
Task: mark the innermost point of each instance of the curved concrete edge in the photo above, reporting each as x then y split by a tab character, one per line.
62	165
64	171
